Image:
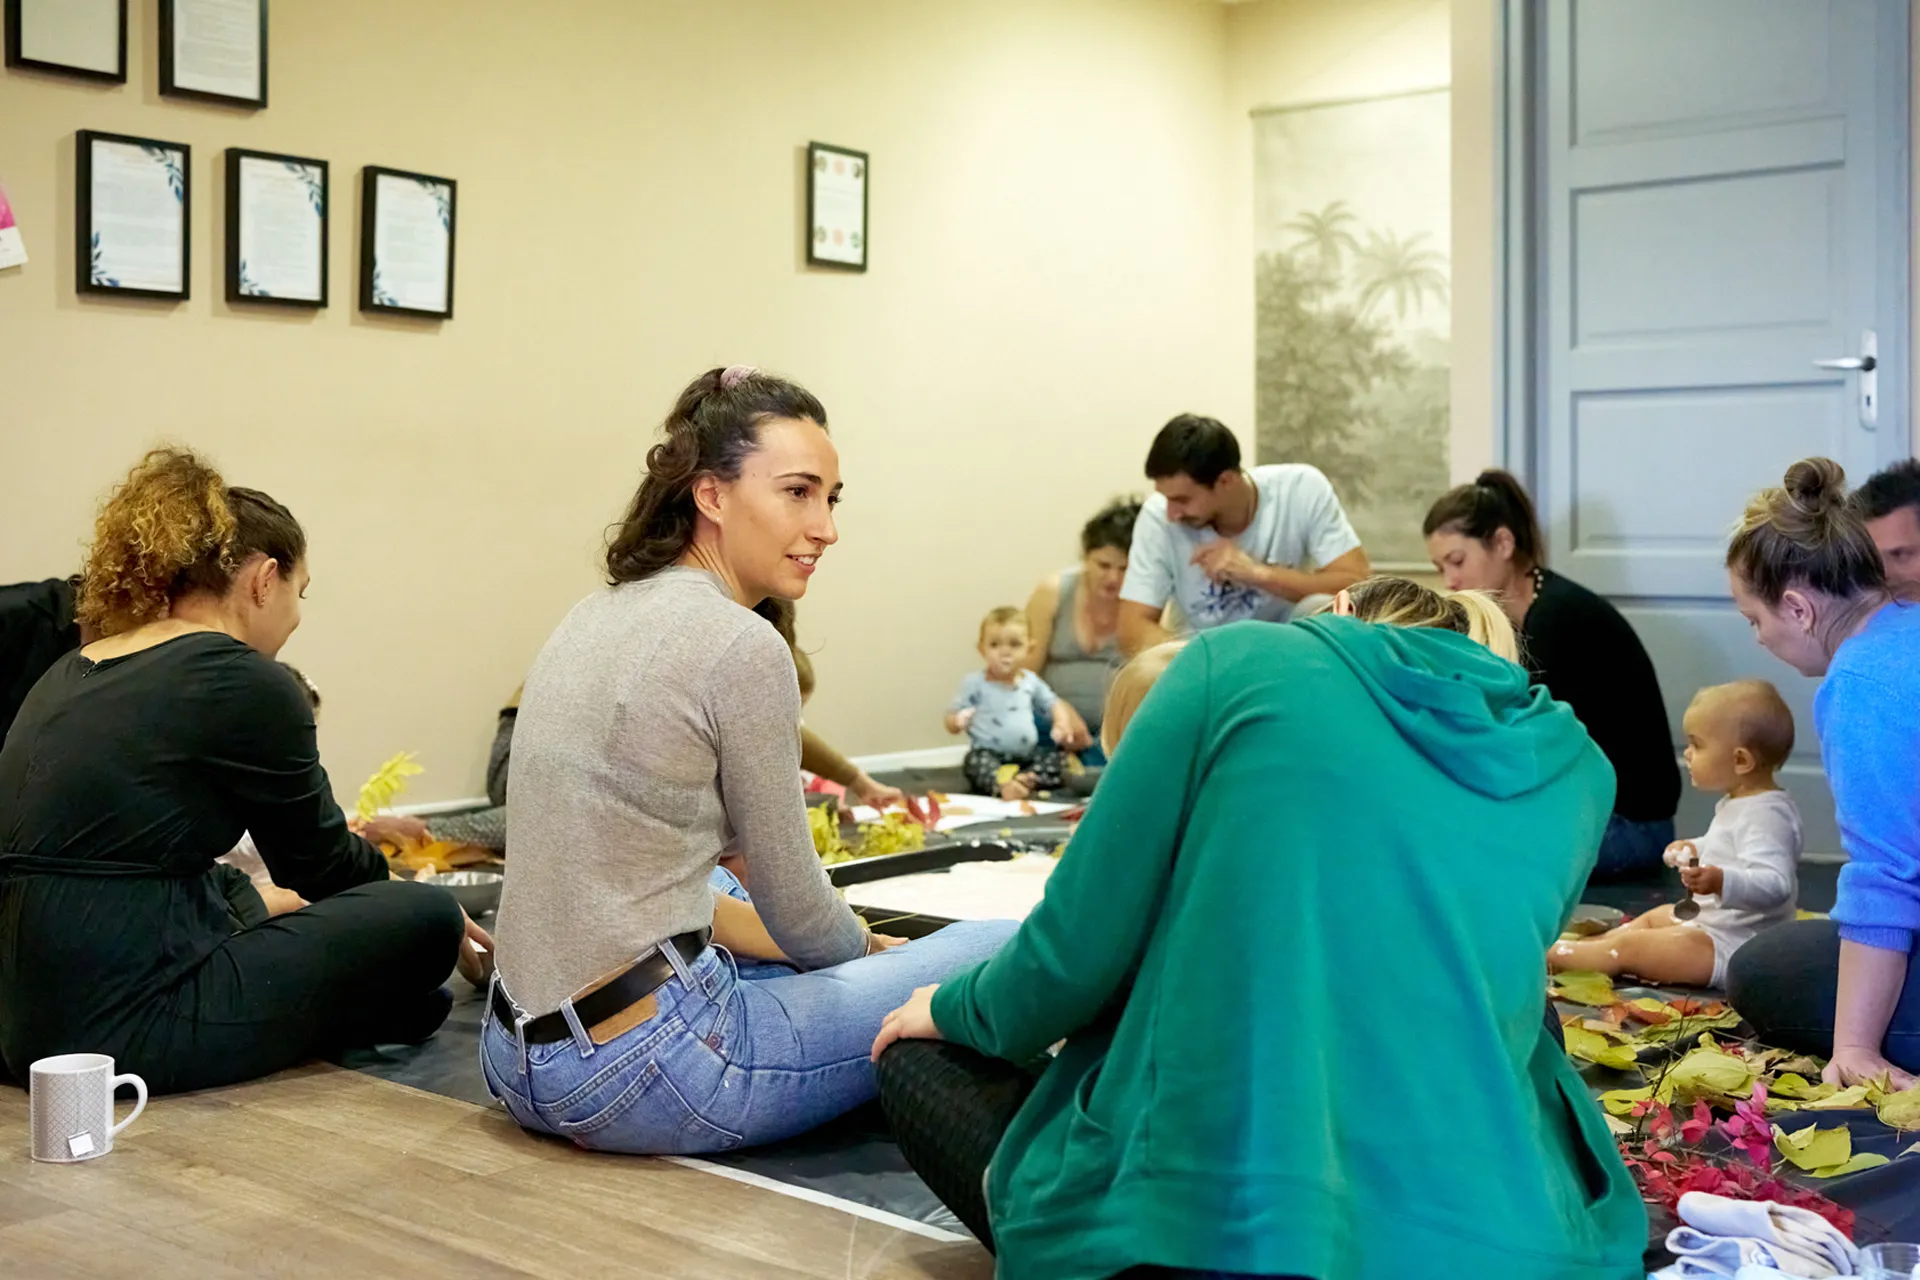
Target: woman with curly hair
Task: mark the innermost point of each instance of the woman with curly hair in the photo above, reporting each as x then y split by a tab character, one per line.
138	760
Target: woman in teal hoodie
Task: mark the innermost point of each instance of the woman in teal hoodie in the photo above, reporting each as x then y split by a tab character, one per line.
1297	1041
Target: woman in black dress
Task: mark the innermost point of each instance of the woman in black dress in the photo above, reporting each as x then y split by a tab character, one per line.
138	760
1484	536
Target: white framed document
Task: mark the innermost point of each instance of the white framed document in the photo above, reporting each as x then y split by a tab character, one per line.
69	37
277	209
406	242
214	49
837	207
134	205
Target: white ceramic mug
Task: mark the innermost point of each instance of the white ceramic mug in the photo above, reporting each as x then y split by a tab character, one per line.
70	1102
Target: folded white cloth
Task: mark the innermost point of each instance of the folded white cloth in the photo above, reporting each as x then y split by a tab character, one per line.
1727	1254
1802	1231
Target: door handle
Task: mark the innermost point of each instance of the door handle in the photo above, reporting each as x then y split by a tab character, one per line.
1867	392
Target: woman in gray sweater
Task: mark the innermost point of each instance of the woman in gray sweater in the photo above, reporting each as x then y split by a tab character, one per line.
641	1002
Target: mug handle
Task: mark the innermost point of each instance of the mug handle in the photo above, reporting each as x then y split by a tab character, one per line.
139	1102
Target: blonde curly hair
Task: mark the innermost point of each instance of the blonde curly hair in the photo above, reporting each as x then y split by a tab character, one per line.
174	527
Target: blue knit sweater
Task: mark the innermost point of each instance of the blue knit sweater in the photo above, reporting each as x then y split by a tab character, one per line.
1868	716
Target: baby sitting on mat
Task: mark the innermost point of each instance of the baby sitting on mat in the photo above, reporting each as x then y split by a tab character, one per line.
1743	874
999	709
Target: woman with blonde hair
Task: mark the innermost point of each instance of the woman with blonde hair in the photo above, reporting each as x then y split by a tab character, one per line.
1296	818
139	759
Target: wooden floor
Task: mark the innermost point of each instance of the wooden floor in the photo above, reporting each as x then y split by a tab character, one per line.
323	1171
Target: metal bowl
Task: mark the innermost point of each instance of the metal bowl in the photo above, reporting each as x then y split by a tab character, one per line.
476	891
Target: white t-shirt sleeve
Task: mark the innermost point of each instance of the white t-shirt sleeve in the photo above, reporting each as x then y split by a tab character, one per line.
1328	533
1150	561
1761	873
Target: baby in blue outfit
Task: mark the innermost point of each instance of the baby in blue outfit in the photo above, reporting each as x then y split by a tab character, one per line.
998	709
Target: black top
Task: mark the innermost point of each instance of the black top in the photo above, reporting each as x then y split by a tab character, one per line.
120	784
36	627
1587	655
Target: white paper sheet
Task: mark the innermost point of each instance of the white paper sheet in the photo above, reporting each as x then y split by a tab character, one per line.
216	47
977	810
839	207
138	213
411	261
964	891
280	206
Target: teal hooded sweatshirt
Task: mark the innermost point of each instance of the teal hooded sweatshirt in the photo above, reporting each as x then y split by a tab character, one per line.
1296	950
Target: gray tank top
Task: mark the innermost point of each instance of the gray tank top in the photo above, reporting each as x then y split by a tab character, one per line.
1075	674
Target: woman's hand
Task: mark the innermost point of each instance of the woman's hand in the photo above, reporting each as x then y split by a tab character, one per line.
878	942
390	828
911	1021
476	953
882	798
1856	1064
279	901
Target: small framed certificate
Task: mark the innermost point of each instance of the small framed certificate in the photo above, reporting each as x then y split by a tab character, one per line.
406	242
214	49
276	229
69	37
836	207
134	205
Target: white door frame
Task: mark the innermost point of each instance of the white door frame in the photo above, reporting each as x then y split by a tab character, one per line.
1519	258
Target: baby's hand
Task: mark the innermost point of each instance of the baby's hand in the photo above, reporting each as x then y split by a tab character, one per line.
957	721
1703	880
1681	853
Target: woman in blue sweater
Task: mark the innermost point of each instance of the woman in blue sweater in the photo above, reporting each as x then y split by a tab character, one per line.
1807	577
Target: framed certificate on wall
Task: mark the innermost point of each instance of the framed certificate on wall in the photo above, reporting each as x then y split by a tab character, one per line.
69	37
406	242
214	49
277	209
837	207
134	205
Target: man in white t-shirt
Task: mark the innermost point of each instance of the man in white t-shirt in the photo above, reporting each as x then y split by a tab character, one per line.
1226	544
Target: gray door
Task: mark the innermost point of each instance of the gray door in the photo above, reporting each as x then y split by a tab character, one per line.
1720	190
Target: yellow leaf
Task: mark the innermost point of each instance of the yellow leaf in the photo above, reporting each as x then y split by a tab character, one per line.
1865	1160
1583	986
1842	1100
1901	1110
1616	1126
1815	1149
1621	1102
1707	1072
1594	1047
1789	1085
387	782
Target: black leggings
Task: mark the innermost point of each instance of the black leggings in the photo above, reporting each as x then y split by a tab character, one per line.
982	768
366	966
949	1107
1784	982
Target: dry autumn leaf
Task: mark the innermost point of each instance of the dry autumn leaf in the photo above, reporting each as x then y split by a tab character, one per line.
1583	986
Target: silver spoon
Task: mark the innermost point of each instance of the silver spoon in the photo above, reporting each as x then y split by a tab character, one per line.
1687	908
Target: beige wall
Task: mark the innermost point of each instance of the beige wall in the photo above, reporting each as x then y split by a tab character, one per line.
1048	285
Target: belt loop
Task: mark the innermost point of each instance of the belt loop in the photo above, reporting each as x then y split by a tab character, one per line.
681	968
581	1039
520	1020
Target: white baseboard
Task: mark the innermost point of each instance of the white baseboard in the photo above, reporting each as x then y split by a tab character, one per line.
926	758
428	807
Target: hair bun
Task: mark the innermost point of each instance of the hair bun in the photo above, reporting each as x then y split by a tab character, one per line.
1815	485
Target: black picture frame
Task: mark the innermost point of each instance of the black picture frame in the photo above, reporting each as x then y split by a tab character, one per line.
236	158
16	55
84	142
167	70
817	152
370	300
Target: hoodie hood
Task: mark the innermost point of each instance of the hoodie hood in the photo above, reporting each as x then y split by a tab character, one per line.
1472	713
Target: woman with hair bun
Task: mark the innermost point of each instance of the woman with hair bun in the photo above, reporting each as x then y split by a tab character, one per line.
138	760
1486	536
1073	625
1808	579
643	1003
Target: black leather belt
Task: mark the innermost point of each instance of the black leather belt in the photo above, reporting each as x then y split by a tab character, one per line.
641	979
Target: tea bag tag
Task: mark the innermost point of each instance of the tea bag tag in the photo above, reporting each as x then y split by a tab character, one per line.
80	1144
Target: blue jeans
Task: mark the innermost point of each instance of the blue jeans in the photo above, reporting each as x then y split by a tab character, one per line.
1631	848
739	1053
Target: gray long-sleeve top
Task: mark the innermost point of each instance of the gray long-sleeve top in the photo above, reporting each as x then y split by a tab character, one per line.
659	725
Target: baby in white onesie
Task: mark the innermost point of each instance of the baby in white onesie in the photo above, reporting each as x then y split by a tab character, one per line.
1744	872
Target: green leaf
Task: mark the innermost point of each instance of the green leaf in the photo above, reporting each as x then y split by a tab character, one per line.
1901	1110
1591	1046
1825	1153
1791	1085
1841	1100
1707	1072
1621	1102
1865	1160
1584	986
